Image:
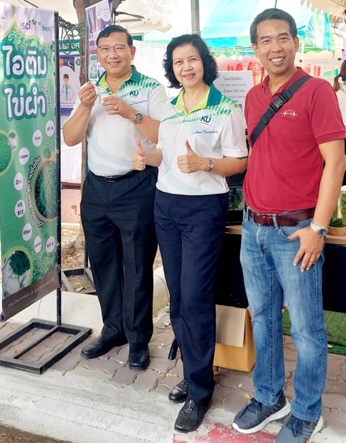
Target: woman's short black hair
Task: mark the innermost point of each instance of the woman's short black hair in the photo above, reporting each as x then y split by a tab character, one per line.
209	63
106	32
272	14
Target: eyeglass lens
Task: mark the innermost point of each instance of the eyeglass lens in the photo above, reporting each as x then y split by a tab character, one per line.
116	48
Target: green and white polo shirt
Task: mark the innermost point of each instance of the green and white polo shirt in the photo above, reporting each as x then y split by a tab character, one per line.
111	138
215	129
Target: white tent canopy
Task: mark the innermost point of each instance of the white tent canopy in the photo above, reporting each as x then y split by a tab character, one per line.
156	13
334	7
64	7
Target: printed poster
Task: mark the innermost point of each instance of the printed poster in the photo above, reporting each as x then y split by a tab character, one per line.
28	166
235	85
97	17
69	82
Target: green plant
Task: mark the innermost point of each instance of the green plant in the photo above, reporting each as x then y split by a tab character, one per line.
337	223
337	220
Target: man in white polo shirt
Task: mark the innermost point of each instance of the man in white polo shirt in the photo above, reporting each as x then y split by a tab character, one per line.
117	202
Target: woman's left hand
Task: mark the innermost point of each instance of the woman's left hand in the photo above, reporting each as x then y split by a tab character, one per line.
191	162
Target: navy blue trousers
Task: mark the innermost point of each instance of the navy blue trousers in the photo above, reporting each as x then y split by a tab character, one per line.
190	231
119	230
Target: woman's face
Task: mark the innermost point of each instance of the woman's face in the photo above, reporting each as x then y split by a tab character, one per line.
188	66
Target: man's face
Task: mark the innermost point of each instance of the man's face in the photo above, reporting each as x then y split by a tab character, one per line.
115	55
276	48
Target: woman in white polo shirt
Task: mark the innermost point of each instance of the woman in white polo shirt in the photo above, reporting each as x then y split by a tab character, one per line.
201	141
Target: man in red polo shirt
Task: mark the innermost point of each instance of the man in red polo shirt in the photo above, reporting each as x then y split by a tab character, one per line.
294	175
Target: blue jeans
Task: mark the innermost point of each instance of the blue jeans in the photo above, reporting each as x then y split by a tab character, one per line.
270	278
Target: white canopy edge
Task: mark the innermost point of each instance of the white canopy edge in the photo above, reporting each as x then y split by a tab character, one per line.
333	7
157	14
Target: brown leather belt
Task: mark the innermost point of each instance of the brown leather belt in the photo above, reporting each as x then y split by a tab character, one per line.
287	219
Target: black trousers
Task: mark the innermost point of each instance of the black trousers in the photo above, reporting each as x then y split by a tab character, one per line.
118	223
190	231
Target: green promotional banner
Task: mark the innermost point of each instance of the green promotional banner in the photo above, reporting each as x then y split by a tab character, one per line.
28	166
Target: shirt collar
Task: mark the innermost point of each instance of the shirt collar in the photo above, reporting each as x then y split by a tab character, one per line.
133	77
299	73
212	98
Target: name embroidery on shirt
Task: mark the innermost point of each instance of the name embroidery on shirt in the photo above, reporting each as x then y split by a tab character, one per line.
204	131
290	113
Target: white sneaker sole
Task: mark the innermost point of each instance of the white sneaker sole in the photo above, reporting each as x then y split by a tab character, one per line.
280	414
318	428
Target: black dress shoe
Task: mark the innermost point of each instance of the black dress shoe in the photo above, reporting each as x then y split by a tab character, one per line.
191	414
139	357
102	345
179	393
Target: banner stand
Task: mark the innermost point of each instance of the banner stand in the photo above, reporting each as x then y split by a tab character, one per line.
77	335
97	17
47	329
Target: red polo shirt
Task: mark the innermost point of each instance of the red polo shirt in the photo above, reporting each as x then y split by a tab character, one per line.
285	166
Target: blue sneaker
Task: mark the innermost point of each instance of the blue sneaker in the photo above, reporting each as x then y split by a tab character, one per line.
255	416
299	431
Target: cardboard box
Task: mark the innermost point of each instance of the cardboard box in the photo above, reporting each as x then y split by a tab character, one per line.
234	341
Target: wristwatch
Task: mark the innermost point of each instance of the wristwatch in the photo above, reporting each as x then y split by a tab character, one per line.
210	166
137	118
320	230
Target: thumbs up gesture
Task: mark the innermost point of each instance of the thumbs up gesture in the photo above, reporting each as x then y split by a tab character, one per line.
190	162
139	158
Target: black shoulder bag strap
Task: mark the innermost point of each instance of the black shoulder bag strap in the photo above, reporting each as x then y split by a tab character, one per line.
275	105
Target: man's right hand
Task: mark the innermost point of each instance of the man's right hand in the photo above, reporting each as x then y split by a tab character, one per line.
87	95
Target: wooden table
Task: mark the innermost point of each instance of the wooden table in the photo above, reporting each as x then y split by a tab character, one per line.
330	239
230	289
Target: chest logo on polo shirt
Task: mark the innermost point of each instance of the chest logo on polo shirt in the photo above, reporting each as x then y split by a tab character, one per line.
290	113
134	93
205	119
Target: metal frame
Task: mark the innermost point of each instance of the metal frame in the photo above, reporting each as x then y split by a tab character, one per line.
80	334
77	271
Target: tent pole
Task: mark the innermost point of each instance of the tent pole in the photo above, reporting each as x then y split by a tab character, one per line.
195	25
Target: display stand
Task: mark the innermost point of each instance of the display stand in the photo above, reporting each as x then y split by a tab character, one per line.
77	334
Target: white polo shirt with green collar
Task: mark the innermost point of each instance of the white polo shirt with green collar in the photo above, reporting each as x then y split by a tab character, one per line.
215	129
112	138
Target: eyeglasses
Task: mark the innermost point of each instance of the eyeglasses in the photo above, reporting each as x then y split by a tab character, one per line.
118	49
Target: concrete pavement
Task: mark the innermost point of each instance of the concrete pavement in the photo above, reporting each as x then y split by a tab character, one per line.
102	400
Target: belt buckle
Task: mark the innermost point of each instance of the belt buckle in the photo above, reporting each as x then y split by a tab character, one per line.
111	178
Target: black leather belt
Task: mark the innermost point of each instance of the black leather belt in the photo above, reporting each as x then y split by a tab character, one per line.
287	219
115	178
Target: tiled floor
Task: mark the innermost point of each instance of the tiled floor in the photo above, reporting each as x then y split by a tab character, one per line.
233	388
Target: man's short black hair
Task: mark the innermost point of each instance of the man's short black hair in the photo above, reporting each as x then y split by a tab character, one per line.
106	32
272	14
